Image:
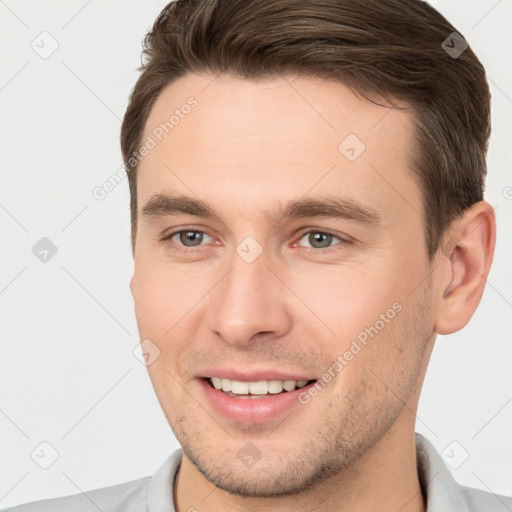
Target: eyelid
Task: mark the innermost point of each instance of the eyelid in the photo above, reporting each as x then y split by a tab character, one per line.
175	231
341	236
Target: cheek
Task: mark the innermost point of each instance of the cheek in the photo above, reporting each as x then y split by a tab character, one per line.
169	393
375	322
377	377
392	347
165	312
166	297
349	298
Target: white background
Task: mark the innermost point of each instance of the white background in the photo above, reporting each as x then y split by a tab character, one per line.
67	329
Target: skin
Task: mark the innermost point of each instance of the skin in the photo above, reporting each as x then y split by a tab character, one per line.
245	148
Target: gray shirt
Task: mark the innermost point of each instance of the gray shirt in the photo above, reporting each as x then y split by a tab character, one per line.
154	494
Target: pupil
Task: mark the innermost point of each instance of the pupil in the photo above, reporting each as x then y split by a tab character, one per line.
190	236
317	238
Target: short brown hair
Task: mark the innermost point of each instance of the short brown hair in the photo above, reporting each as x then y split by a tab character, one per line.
389	49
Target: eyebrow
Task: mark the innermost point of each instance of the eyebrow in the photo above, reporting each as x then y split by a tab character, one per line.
160	205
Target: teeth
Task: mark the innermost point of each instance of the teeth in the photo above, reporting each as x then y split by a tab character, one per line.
239	387
226	385
258	388
289	385
275	386
261	387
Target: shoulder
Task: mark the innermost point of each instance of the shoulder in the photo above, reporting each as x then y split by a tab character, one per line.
444	494
128	496
148	493
479	500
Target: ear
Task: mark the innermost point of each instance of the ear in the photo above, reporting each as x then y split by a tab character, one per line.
133	284
465	260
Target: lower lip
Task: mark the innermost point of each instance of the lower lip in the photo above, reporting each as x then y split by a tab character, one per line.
252	410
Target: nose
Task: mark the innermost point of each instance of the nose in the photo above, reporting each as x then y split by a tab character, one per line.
249	303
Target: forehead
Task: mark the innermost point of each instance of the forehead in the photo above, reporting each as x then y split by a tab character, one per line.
229	139
273	111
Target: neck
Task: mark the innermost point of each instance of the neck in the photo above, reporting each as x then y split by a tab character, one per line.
384	478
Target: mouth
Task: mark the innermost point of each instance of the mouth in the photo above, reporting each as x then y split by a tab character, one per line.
258	401
256	389
255	395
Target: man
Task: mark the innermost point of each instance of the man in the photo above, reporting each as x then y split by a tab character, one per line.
307	215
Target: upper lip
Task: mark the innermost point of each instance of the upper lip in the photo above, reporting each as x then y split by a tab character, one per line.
252	375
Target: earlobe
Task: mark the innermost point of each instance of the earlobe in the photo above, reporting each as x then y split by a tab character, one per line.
465	260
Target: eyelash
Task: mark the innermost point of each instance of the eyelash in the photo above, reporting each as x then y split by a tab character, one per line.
343	241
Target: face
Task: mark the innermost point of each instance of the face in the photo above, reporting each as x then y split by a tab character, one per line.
280	243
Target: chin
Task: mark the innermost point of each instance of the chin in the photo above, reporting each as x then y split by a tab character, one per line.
278	473
261	481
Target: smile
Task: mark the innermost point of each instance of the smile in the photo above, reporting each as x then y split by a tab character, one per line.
240	389
253	402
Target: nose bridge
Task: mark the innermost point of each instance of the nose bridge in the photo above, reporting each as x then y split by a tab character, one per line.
249	299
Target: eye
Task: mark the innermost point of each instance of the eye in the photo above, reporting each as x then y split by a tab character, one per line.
320	239
188	238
